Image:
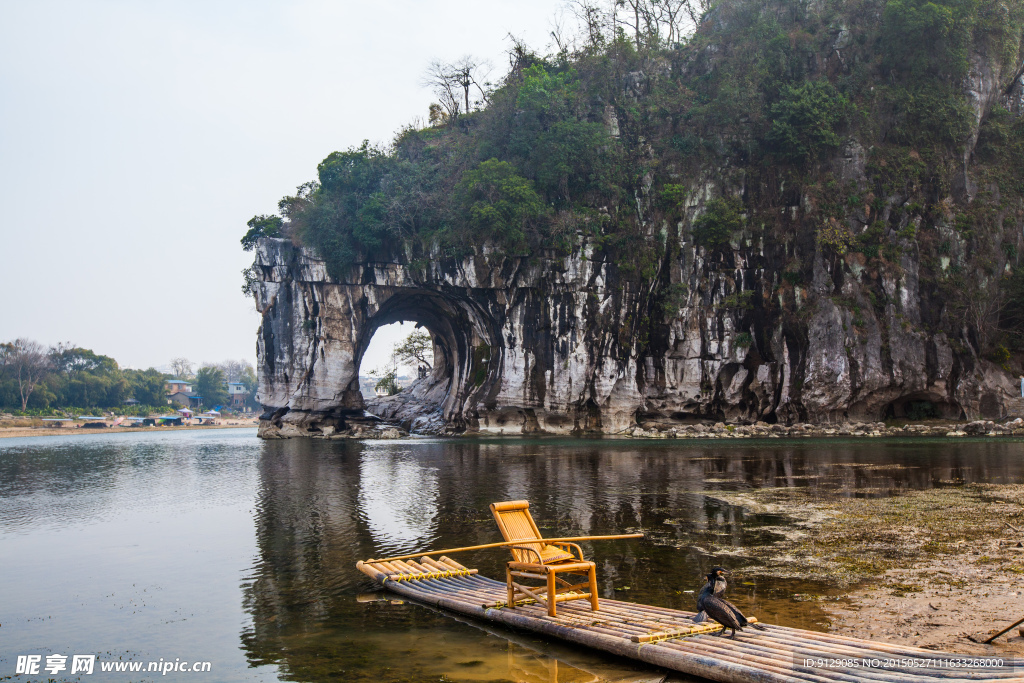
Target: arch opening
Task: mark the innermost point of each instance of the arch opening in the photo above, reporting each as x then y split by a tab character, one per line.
379	359
462	366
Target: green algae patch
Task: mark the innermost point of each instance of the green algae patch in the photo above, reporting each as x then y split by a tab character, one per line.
846	541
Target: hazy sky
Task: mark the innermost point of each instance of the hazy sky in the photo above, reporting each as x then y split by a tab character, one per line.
137	138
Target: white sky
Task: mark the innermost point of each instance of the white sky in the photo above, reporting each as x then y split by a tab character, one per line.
137	138
378	353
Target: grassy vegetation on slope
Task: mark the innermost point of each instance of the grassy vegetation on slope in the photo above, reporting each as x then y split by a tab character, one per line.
639	147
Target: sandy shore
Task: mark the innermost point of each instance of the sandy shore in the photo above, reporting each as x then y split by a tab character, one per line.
941	568
12	432
956	606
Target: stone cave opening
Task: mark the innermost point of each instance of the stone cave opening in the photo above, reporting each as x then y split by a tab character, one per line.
921	406
379	358
402	387
430	392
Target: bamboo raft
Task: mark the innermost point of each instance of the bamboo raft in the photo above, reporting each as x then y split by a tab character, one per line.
669	638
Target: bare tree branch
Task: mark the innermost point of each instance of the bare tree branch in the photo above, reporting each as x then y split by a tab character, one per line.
650	22
448	79
30	364
593	18
181	368
696	9
439	78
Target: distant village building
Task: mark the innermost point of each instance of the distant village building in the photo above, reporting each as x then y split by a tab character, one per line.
368	385
180	392
173	386
185	399
236	394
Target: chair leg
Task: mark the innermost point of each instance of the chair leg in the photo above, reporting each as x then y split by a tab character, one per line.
511	588
593	588
551	593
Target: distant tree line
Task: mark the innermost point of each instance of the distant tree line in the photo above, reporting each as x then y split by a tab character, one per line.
35	378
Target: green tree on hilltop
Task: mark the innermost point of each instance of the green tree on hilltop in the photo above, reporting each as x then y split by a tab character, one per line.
147	386
261	226
501	205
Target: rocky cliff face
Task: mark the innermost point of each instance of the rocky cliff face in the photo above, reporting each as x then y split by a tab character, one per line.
554	345
851	292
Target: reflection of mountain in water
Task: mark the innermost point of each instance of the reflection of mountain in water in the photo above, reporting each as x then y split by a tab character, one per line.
324	505
398	499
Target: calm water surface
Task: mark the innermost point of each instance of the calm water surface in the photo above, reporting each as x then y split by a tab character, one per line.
215	546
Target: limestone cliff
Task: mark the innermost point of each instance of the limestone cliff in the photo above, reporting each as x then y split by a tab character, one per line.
547	345
858	281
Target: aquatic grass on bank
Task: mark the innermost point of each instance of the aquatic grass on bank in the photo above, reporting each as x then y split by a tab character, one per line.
846	541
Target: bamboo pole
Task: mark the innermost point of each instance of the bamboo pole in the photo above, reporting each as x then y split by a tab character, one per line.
503	544
1020	621
789	642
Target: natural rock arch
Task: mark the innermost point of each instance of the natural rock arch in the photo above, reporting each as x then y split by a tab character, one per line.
460	330
316	329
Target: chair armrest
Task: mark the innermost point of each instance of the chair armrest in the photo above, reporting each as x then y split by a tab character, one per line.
540	560
579	551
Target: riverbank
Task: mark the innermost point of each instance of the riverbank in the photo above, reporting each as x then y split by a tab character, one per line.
932	428
374	427
940	568
15	432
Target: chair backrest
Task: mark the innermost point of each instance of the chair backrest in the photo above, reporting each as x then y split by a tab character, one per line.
516	524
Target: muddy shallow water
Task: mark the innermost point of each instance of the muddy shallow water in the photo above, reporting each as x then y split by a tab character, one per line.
215	546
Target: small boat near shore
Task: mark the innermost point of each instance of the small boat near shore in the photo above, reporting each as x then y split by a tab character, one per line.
670	638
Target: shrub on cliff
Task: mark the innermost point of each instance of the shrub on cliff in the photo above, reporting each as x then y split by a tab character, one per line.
567	155
927	115
714	227
924	49
806	120
261	226
500	205
927	38
361	197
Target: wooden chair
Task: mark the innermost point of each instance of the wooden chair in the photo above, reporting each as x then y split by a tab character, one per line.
536	559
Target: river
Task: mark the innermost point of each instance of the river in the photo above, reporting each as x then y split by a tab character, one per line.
218	547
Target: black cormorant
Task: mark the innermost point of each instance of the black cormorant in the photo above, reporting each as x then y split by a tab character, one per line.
711	602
